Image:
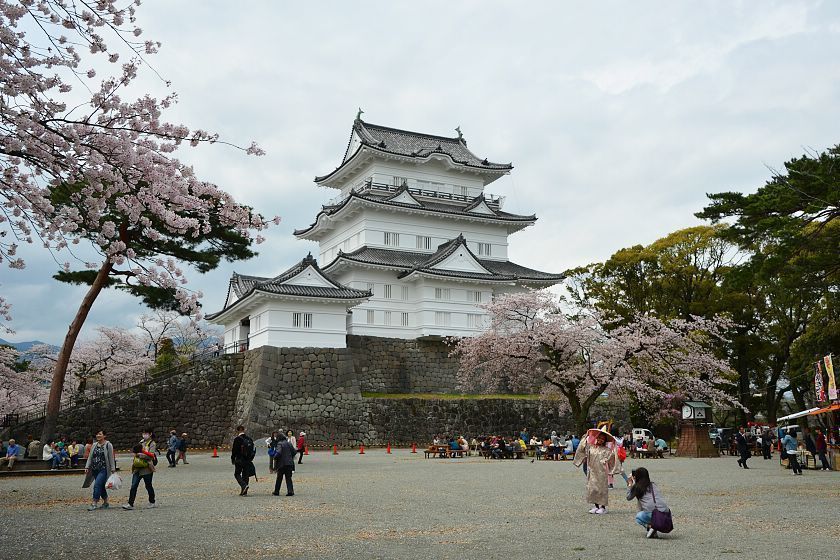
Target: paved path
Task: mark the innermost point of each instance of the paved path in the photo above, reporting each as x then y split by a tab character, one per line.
405	506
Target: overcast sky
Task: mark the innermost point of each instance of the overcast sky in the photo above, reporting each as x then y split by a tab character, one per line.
618	116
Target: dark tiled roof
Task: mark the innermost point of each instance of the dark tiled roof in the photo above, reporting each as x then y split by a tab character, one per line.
412	261
436	207
416	145
243	286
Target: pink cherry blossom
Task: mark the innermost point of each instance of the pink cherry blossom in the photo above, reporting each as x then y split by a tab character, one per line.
574	356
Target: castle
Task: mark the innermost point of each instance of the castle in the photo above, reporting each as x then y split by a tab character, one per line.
410	248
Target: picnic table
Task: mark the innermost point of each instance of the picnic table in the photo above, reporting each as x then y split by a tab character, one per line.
442	451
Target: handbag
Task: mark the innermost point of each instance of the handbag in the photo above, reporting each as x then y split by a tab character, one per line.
661	521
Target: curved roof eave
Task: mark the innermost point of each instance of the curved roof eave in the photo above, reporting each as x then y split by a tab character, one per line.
504	169
253	292
525	221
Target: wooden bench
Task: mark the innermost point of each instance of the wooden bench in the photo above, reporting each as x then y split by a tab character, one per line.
442	452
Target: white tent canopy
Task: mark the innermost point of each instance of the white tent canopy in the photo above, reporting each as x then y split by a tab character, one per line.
798	414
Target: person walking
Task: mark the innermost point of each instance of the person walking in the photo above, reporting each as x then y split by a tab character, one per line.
242	453
767	444
285	466
301	444
743	448
640	487
172	448
597	451
145	448
182	449
789	445
272	442
822	447
142	468
99	466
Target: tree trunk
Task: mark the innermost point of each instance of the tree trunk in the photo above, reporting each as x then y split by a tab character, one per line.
63	360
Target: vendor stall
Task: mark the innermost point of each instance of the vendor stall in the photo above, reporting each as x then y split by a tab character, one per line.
831	422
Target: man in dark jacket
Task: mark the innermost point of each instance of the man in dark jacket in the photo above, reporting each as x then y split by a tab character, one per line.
285	465
242	453
743	448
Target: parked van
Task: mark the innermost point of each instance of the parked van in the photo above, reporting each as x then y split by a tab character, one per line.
644	435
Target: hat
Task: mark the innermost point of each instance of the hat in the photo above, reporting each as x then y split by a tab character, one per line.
303	433
593	433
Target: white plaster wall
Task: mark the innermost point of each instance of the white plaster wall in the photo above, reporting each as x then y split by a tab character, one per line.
272	324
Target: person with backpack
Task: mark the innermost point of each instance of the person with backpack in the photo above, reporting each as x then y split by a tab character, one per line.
148	450
172	448
285	466
142	468
242	453
649	500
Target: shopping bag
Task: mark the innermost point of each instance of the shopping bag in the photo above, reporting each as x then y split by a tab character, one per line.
114	482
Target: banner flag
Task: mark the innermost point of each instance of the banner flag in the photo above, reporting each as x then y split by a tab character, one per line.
819	386
832	383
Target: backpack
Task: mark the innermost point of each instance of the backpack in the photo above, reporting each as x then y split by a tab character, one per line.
152	455
248	449
622	454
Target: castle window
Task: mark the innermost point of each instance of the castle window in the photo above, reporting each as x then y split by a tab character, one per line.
392	239
398	181
474	296
484	249
370	317
302	320
424	242
473	320
442	293
389	291
404	320
405	293
442	318
387	317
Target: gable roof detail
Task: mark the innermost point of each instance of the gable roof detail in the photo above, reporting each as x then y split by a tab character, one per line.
479	206
410	262
305	279
412	145
403	196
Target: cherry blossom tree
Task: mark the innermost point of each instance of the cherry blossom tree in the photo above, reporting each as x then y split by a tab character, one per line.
20	386
95	167
188	335
575	357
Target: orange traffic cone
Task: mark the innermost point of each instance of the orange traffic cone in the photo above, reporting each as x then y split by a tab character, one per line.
414	448
361	449
306	450
215	453
388	449
335	449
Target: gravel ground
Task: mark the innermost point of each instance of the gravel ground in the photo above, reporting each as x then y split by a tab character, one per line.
402	506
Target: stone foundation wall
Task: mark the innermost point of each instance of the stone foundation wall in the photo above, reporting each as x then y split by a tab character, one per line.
311	389
391	365
318	390
199	401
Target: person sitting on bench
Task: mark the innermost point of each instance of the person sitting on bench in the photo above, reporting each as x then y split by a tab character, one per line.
11	454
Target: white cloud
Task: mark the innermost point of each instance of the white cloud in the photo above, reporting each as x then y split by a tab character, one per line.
618	117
